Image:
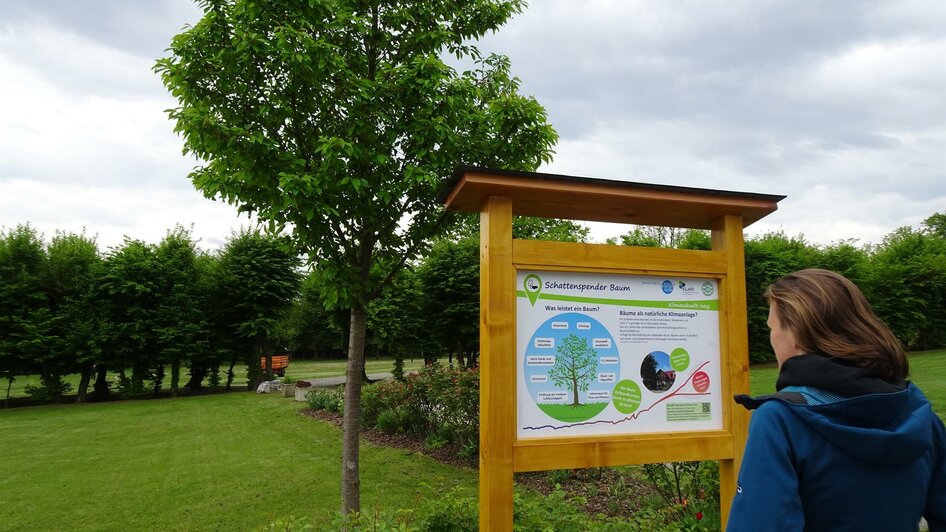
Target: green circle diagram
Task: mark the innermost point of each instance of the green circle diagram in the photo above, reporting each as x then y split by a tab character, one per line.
559	347
626	396
679	359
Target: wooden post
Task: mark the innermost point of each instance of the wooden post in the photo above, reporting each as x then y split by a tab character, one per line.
497	364
734	345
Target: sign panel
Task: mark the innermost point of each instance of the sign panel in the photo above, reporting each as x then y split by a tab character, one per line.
606	354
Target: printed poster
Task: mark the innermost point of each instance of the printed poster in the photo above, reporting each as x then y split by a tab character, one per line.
604	354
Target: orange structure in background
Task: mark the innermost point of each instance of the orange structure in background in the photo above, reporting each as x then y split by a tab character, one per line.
280	363
498	196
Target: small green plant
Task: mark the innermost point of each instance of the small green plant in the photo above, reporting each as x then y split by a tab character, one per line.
51	391
392	421
398	370
689	491
468	449
436	441
559	476
618	488
329	400
455	511
399	521
288	379
290	524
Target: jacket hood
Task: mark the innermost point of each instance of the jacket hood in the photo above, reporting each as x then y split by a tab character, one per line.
888	429
878	422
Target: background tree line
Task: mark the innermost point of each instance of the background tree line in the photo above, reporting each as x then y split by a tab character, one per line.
432	309
139	310
142	310
903	276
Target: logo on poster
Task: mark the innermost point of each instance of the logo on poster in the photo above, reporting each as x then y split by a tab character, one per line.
686	289
533	285
667	287
707	289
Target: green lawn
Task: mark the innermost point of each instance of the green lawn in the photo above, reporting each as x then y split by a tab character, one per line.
219	462
298	368
927	370
315	369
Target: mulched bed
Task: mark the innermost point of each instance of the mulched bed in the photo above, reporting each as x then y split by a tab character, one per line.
612	491
615	492
448	454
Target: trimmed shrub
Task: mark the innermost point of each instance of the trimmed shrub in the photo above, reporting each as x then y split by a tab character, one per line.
438	403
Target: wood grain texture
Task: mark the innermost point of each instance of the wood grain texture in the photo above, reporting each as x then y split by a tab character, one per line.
597	451
734	346
497	364
608	201
536	254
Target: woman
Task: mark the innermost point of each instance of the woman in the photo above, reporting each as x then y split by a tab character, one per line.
847	443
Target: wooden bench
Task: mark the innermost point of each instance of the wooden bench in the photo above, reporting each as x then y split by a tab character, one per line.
280	363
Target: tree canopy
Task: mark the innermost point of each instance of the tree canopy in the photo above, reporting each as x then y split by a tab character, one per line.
340	120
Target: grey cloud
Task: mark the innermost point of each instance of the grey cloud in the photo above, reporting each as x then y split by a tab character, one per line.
837	104
141	28
736	62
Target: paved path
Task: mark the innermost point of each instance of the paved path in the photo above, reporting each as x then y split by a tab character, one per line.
331	382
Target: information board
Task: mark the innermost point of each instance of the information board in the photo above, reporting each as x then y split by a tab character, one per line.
606	354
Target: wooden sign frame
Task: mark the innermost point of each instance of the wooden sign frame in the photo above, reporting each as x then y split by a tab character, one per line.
498	196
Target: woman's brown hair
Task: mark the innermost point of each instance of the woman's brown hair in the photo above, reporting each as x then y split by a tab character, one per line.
828	314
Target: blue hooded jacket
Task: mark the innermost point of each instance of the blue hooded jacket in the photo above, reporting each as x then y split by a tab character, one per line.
836	450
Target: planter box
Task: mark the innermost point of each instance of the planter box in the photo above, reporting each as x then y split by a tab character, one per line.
301	392
288	390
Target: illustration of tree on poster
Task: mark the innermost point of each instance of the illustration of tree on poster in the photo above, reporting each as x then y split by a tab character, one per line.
575	366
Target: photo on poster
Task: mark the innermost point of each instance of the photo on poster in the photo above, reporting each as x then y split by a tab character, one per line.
616	354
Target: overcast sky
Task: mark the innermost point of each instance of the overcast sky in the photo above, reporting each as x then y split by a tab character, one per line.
839	105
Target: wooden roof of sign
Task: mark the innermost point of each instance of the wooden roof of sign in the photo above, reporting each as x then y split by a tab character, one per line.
602	200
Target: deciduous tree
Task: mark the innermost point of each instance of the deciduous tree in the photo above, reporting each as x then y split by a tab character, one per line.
74	262
24	310
180	321
127	295
260	275
339	121
450	279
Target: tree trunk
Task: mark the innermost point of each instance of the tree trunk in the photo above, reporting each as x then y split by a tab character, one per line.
230	373
175	376
137	378
268	353
100	392
351	427
575	391
197	373
87	370
158	380
6	404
